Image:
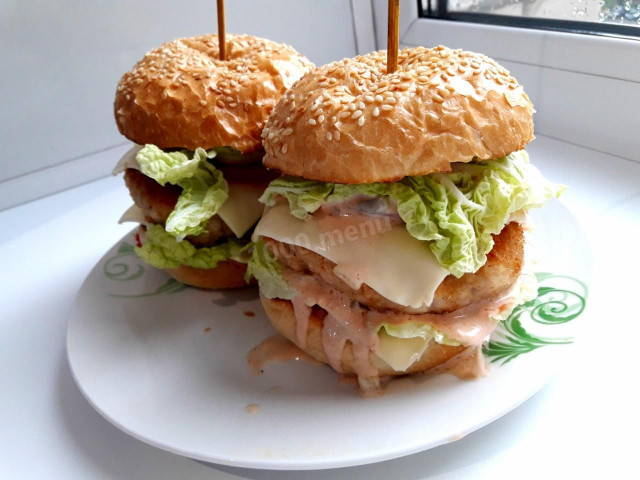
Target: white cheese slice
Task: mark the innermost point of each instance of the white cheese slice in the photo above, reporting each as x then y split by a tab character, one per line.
133	214
384	256
400	353
242	209
128	160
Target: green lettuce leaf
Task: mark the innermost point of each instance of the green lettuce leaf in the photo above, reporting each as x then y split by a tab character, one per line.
169	167
162	250
456	213
204	190
415	330
402	345
304	196
264	266
202	197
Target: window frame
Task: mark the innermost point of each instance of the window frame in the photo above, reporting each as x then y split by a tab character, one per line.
442	12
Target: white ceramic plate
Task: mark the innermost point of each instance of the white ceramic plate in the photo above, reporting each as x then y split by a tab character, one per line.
167	364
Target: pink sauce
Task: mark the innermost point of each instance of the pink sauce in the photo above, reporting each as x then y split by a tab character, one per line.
344	322
350	228
275	349
347	321
467	365
302	312
469	325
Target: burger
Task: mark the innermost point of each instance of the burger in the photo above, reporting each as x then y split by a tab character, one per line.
195	174
395	240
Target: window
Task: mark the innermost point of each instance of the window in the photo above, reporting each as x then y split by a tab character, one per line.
613	17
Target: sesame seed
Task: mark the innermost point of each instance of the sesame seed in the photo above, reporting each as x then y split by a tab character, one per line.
369	98
357	114
287	131
336	135
203	102
386	107
361	121
361	105
233	104
379	98
311	121
329	136
390	99
438	98
228	99
227	91
352	106
284	148
376	112
344	114
321	119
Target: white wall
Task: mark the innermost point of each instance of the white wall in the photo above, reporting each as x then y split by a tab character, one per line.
61	61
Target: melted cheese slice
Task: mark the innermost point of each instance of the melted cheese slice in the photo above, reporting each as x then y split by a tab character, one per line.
128	160
401	353
242	209
133	214
384	256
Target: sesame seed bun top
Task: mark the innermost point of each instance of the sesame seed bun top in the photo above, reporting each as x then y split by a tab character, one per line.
351	122
182	95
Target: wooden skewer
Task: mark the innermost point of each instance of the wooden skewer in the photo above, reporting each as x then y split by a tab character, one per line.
392	36
221	32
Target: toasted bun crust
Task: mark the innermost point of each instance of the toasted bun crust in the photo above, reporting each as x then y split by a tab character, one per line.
280	312
350	122
228	274
182	95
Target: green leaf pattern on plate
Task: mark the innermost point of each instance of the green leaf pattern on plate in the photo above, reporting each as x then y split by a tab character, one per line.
118	268
552	306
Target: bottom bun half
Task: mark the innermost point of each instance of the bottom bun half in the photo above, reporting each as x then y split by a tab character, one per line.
281	315
227	274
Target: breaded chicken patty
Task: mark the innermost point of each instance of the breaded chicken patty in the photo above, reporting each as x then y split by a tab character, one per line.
503	266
